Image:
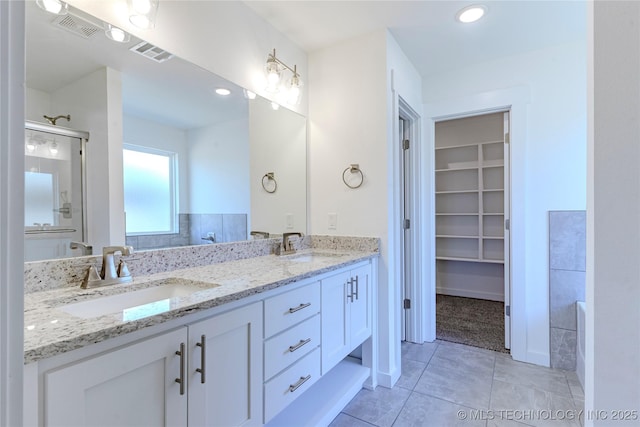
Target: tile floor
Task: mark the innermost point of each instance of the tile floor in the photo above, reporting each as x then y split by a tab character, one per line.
447	384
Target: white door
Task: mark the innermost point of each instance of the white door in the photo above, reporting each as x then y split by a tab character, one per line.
132	386
225	369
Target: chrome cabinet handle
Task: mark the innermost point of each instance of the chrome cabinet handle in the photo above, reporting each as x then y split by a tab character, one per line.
293	348
350	295
302	380
203	358
356	280
180	380
300	307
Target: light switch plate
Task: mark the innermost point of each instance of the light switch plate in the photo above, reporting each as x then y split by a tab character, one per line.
333	221
289	221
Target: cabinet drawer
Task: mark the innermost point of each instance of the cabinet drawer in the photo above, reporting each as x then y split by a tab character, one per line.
289	308
286	387
288	347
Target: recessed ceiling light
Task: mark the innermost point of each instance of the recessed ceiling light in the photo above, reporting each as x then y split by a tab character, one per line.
222	91
471	13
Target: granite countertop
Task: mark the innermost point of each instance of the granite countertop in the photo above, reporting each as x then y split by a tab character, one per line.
50	331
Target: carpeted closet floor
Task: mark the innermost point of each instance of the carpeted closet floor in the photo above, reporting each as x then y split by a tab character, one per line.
470	321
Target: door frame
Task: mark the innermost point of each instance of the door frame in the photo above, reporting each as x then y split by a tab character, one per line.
410	318
514	100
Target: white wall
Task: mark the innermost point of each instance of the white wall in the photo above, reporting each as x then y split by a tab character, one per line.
95	105
219	168
613	213
225	37
555	156
147	133
37	103
278	144
353	119
11	211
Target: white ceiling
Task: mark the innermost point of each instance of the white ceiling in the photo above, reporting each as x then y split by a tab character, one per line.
427	30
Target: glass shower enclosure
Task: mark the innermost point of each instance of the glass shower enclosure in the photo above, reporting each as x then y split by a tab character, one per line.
55	208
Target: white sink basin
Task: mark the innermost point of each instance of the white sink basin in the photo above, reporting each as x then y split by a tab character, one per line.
136	304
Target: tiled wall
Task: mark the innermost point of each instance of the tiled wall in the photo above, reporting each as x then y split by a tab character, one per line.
193	227
567	265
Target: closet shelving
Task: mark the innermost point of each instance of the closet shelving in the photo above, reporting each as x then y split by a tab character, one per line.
470	202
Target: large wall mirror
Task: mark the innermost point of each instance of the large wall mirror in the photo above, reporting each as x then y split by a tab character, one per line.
194	166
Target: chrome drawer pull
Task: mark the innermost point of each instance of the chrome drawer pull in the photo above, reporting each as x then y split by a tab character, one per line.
293	348
302	380
182	360
300	307
356	293
203	358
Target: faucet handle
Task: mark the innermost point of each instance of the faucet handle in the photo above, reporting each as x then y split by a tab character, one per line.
123	270
91	276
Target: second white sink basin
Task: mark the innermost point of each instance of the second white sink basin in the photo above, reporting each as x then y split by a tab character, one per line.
136	304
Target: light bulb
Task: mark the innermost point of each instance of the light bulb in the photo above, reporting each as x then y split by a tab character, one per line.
140	21
56	7
141	6
31	147
249	94
273	71
53	148
275	106
116	34
295	86
471	14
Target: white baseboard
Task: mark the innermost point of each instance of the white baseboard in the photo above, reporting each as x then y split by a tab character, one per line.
492	296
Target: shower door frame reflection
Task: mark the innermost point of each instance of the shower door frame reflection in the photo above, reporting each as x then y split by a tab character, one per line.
83	137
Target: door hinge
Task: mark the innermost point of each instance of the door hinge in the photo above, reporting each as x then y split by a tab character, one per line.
407	304
507	224
507	310
405	144
406	224
507	138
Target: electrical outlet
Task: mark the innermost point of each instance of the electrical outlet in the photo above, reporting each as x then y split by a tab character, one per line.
289	221
333	221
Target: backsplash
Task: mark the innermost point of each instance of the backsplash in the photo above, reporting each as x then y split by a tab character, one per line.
194	229
567	265
69	272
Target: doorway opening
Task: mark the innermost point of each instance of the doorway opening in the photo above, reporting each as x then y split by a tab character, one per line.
472	242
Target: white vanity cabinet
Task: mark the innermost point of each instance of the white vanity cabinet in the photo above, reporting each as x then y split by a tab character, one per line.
225	369
346	314
132	386
291	347
217	361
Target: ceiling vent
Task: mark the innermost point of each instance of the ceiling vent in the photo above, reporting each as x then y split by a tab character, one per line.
77	26
152	52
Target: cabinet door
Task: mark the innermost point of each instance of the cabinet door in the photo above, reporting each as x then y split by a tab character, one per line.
131	386
231	394
359	305
335	318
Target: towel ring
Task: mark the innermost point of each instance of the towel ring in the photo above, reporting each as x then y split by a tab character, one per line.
270	177
353	168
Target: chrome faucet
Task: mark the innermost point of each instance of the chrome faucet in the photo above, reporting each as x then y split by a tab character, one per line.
86	248
286	247
109	274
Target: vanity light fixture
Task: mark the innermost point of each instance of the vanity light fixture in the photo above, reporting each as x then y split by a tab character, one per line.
471	13
56	7
274	69
222	91
116	34
142	13
53	148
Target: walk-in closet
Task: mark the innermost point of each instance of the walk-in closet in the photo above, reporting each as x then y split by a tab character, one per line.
471	218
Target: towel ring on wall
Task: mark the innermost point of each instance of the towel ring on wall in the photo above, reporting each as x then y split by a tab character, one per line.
270	177
353	168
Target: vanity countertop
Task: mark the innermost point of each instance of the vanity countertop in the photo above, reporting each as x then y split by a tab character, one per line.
50	331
